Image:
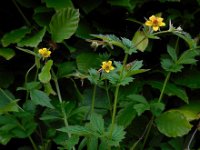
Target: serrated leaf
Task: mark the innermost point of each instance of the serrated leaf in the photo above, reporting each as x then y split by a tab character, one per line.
40	98
140	108
117	136
172	52
14	36
33	40
126	115
45	74
64	24
171	89
173	124
97	123
157	107
7	53
170	66
59	4
76	129
140	40
66	68
188	57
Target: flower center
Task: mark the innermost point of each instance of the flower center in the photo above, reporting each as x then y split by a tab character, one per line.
155	22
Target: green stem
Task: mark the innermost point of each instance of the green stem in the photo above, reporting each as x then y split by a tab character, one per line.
33	143
61	103
22	14
109	101
116	96
159	100
93	98
164	86
114	110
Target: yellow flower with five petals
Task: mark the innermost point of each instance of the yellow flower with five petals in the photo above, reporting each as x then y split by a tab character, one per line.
107	66
44	52
155	22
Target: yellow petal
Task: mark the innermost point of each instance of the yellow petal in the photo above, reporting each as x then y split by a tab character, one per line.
112	68
160	19
148	23
155	28
109	63
161	24
152	18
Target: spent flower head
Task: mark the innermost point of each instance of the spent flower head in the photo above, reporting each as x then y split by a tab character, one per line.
107	66
44	52
155	22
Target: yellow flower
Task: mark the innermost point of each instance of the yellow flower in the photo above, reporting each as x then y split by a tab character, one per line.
155	22
44	52
107	66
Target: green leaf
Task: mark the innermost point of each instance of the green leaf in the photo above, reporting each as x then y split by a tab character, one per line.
86	61
72	141
14	36
92	143
117	135
172	52
188	57
59	4
42	15
33	40
7	53
66	68
173	124
191	111
7	102
157	108
64	24
77	130
40	98
140	40
126	115
140	108
189	78
171	89
130	46
170	66
97	123
45	74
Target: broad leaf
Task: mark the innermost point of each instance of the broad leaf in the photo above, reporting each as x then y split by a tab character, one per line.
191	111
33	40
14	36
76	129
40	98
188	57
59	4
45	74
173	124
64	24
140	40
7	53
126	115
